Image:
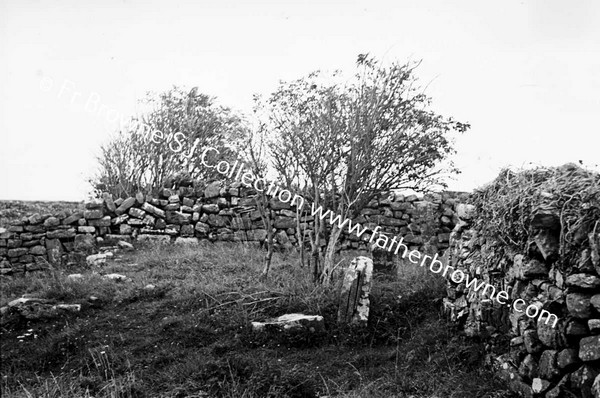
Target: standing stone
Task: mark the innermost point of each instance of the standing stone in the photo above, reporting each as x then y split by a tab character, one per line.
55	250
354	298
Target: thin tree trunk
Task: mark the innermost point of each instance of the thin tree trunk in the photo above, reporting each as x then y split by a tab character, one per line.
328	263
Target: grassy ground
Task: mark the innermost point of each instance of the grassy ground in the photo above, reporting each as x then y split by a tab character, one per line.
189	337
12	210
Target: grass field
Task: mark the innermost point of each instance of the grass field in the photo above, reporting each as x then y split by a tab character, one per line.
190	335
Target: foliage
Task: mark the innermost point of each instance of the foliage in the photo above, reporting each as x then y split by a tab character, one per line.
506	205
345	142
167	142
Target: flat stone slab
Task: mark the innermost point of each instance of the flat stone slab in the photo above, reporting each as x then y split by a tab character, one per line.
291	322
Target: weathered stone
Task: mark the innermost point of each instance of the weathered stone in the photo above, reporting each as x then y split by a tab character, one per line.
212	190
153	210
61	234
354	297
529	367
594	326
187	230
85	243
51	222
595	301
465	212
94	204
38	251
548	368
276	204
178	218
548	334
137	213
186	241
126	205
17	252
589	348
284	222
583	380
257	235
154	239
35	219
93	214
291	322
86	229
98	259
103	222
216	221
73	218
540	386
14	243
579	305
202	228
54	250
596	387
583	281
547	243
174	199
567	358
210	208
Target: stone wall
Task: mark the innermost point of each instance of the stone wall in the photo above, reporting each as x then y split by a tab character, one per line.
535	358
213	212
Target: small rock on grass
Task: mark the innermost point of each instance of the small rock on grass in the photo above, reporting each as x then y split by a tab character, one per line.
98	259
125	245
117	277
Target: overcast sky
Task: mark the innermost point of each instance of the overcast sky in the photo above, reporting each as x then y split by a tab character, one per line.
525	74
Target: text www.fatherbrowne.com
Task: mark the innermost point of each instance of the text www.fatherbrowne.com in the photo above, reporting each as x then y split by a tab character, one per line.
377	238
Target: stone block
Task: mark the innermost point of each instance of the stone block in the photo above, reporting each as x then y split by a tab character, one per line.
137	213
589	348
51	222
153	210
579	305
548	369
154	239
356	287
125	206
61	234
583	281
177	218
93	214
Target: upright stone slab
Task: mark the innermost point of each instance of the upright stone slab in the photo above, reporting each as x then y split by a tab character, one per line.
354	297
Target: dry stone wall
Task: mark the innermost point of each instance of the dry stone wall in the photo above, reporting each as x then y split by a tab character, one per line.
213	212
535	358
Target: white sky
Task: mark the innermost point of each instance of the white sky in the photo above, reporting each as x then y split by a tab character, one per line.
525	74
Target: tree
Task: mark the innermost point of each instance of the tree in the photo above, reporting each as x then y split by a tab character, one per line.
164	143
256	154
351	141
303	116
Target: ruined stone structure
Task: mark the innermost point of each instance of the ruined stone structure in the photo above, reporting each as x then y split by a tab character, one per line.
214	213
535	358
